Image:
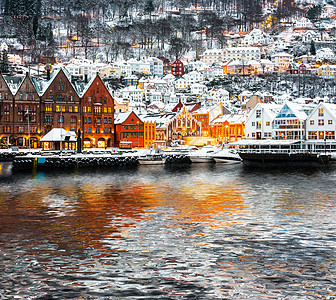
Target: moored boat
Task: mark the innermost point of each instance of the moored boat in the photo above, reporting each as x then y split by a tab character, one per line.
227	156
203	155
153	157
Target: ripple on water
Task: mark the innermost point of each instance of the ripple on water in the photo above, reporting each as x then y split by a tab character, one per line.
210	232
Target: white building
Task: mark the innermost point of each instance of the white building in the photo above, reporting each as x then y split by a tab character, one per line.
321	123
211	56
325	54
221	95
197	89
303	23
259	122
257	37
282	60
125	68
289	123
193	77
156	66
181	84
132	93
241	53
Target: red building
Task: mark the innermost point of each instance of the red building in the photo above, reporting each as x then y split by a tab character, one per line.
27	115
177	68
6	113
97	109
128	128
60	104
303	69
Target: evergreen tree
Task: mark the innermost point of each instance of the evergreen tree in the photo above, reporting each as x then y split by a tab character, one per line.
312	48
4	64
149	7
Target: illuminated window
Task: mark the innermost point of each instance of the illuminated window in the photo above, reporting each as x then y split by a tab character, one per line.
321	112
311	122
76	108
321	122
57	108
330	122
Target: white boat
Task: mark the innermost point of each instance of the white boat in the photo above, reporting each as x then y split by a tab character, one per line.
227	156
203	155
153	157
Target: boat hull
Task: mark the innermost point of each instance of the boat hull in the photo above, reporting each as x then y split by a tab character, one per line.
283	159
151	162
227	160
200	159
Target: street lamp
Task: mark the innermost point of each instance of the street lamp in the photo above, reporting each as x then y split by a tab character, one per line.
138	132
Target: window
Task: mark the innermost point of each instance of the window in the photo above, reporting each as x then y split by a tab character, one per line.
60	119
98	121
268	123
89	99
57	108
63	108
70	108
105	120
110	120
20	129
321	112
105	110
84	109
258	113
73	119
105	100
89	120
125	127
97	130
253	134
321	122
311	122
76	108
110	109
330	122
89	109
89	129
100	100
253	123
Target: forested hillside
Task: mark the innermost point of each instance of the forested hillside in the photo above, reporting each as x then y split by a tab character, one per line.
45	29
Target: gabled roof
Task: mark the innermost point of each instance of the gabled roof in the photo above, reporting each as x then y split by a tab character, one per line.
14	83
121	117
54	75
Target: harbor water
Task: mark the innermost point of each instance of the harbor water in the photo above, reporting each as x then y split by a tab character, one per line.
206	231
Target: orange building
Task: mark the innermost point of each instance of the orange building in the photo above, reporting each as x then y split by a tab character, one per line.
149	132
97	108
228	128
128	128
205	116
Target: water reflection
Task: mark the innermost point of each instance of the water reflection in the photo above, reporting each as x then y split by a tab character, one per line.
209	232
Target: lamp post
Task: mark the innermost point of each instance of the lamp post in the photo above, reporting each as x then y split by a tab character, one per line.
138	132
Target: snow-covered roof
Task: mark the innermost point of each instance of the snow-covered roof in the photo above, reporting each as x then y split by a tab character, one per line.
121	117
59	135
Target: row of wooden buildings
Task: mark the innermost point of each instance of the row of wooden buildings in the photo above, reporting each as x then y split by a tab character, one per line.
30	107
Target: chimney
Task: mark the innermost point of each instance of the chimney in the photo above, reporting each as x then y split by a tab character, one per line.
48	73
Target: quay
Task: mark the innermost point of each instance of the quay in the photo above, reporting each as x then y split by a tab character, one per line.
50	160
